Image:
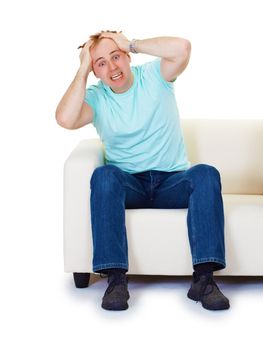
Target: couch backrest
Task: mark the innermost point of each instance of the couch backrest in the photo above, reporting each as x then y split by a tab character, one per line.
233	146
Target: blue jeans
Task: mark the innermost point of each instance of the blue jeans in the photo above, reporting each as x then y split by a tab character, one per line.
114	190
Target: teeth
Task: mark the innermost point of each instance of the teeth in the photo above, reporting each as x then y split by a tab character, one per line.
116	76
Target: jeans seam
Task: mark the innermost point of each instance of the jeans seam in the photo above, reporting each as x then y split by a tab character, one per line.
210	259
109	265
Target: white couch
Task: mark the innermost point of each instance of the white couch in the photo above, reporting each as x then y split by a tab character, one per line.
157	238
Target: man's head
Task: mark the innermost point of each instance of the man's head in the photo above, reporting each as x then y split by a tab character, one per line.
110	64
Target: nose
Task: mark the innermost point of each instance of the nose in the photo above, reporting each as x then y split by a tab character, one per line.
112	65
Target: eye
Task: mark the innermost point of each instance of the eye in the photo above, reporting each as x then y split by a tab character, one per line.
101	64
116	57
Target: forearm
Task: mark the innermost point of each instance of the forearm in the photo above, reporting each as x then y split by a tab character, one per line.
164	47
68	109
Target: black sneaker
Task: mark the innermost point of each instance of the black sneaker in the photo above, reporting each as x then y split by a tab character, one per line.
116	295
204	289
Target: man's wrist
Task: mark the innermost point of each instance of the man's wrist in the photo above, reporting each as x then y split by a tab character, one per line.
83	72
133	46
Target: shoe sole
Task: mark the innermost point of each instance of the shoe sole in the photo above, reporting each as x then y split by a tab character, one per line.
115	307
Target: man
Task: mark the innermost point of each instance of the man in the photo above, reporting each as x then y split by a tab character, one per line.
135	114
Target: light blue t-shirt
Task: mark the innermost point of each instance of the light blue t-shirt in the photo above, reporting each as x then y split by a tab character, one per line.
140	128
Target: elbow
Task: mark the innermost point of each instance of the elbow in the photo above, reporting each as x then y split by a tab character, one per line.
186	48
59	118
181	50
62	121
185	52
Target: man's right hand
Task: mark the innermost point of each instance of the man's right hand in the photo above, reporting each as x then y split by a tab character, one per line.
85	57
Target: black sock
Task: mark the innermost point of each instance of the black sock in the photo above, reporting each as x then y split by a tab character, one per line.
205	268
112	271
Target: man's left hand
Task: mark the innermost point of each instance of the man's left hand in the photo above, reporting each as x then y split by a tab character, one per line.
121	41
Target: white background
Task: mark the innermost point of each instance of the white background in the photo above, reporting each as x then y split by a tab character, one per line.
40	308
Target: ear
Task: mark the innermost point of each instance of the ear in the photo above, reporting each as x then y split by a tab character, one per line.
93	70
129	56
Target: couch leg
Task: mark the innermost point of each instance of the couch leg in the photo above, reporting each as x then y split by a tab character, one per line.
81	279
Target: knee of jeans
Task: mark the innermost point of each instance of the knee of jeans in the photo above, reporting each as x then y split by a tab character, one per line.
205	171
105	174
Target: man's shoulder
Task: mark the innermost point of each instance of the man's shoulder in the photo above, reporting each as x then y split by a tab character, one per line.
147	70
147	65
96	89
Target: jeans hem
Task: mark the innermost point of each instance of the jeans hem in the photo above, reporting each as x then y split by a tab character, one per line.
110	266
206	260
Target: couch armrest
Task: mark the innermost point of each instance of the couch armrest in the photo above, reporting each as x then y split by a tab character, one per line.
78	169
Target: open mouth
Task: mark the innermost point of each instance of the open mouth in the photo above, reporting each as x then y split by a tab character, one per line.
117	76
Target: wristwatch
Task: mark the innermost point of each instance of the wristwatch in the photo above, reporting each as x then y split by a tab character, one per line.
132	46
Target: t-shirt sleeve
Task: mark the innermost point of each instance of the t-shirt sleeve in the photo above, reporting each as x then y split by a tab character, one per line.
92	99
152	69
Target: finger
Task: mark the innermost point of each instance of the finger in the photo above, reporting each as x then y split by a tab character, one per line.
89	42
107	34
81	46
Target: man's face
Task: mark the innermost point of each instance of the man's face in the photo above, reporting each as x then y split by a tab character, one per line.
112	65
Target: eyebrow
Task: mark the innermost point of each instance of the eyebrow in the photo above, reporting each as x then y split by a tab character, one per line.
103	57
